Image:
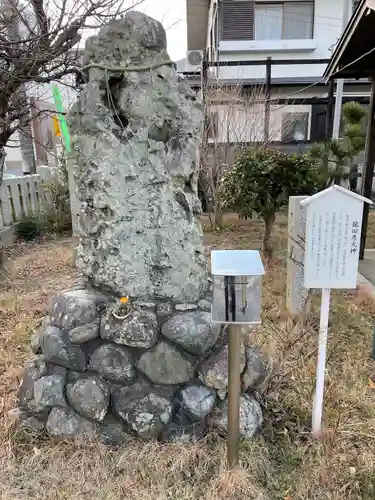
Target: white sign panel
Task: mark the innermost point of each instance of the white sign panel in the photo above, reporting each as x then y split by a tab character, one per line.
333	234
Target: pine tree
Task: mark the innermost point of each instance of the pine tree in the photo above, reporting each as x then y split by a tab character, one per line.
336	157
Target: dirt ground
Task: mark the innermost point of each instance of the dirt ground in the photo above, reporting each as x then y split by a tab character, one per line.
283	462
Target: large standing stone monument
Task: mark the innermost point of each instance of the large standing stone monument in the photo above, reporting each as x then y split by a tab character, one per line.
132	348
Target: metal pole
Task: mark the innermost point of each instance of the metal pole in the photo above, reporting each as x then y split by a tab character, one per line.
329	116
368	170
267	106
340	83
320	372
338	107
234	389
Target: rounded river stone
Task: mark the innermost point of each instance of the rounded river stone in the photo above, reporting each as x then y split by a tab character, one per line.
193	331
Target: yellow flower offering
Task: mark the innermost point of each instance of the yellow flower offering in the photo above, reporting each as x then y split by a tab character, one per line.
124	300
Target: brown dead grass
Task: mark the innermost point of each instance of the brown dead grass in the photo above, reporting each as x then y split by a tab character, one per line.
284	462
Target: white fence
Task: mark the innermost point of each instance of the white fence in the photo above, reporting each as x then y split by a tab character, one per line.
19	197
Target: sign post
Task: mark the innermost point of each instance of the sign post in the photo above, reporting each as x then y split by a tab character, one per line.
236	301
296	293
322	354
333	232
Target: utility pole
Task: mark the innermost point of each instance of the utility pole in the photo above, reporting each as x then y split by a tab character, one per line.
347	12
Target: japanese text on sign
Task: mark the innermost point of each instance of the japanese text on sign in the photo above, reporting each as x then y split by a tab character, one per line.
333	230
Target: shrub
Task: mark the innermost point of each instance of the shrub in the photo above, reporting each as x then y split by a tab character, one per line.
57	213
29	228
262	180
57	216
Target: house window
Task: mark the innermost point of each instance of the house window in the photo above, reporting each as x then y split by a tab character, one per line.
266	20
236	19
294	127
284	20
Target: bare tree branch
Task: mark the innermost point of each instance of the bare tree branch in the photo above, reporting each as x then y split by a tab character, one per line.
38	45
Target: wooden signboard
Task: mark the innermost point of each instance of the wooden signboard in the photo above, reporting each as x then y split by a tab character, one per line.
333	235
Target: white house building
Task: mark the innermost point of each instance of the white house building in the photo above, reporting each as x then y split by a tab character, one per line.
276	50
47	144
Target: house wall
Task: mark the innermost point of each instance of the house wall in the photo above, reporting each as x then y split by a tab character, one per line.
326	31
236	123
47	147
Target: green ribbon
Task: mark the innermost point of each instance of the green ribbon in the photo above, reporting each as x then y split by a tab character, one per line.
60	115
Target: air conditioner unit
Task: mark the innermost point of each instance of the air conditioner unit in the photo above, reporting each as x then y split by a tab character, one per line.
194	60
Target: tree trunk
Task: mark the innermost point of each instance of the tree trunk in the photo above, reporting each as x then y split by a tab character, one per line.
26	136
2	163
218	216
2	168
269	221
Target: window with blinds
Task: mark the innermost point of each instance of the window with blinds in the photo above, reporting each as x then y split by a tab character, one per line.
237	19
260	20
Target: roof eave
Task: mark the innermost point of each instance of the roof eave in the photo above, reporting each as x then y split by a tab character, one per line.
358	14
331	189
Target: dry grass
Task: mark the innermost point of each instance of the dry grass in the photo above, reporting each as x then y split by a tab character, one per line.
284	462
370	241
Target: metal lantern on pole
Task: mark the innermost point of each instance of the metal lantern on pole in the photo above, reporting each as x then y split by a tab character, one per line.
237	276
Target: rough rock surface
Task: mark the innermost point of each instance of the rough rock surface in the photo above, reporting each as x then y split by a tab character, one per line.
164	364
114	363
84	333
66	424
112	432
194	402
164	310
33	424
58	350
144	410
251	417
193	331
49	391
183	433
186	307
57	370
36	339
214	371
136	167
89	396
255	370
205	305
34	369
139	329
72	308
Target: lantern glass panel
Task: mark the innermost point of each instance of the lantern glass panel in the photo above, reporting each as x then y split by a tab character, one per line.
236	299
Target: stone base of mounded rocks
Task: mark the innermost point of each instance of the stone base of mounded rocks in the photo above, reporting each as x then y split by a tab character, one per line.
159	371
